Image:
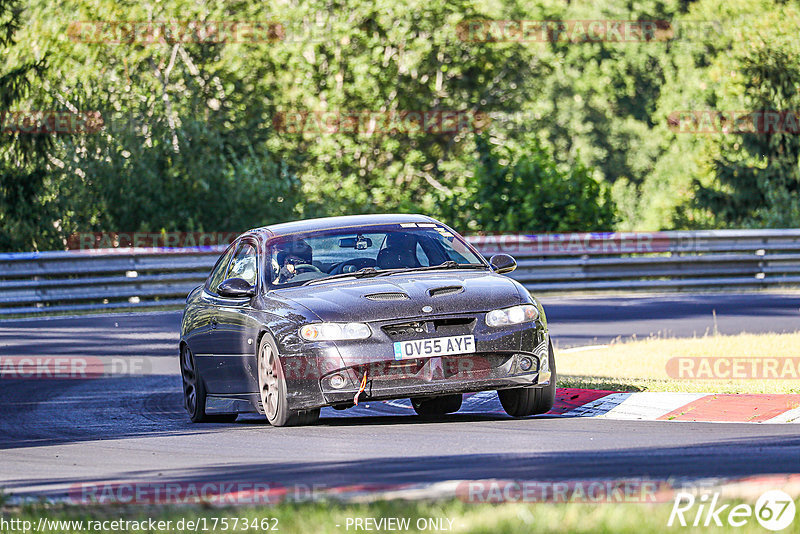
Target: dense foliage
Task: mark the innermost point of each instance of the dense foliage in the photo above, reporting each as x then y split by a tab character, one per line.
203	134
564	201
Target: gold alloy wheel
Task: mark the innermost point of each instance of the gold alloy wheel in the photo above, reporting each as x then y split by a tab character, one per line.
268	380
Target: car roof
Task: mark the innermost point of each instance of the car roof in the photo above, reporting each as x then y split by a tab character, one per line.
327	223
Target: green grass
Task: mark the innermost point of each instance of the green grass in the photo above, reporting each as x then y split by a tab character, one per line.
641	365
322	518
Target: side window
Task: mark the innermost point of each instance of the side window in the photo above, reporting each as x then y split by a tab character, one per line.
218	274
244	263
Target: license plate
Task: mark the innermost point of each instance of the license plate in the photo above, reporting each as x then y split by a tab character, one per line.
437	346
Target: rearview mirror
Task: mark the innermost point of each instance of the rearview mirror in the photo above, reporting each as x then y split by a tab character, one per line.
502	263
355	242
236	288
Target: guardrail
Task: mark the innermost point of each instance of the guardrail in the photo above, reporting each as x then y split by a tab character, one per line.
46	282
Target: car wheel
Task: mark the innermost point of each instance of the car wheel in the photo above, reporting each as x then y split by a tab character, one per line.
519	402
437	405
272	388
194	392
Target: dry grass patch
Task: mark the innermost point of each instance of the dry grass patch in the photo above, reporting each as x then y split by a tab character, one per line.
685	364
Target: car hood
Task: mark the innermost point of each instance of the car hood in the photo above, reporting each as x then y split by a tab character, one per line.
462	292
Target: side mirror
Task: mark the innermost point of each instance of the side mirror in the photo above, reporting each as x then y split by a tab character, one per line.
502	263
236	288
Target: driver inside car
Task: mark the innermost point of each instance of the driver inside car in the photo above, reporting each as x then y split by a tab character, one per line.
288	257
289	269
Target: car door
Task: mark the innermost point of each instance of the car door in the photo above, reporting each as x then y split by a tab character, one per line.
236	330
201	316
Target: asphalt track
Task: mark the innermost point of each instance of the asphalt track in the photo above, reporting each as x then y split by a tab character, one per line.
56	434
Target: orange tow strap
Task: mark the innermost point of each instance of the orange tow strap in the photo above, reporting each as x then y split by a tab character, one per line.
361	389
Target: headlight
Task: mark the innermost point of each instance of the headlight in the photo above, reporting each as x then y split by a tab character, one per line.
334	331
513	315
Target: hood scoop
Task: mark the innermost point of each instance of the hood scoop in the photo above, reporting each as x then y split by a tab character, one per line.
447	290
387	296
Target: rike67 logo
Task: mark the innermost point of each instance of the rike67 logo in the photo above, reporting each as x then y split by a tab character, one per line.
774	510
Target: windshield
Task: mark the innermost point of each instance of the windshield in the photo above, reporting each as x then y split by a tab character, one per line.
303	258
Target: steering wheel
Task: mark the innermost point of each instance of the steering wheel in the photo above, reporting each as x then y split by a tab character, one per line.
306	268
355	264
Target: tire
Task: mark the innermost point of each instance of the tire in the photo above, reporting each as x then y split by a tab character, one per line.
520	402
272	389
437	405
194	392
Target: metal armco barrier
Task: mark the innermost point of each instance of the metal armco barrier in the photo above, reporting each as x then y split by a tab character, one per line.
80	280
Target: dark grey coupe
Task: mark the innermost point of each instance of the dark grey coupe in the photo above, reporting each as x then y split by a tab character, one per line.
333	312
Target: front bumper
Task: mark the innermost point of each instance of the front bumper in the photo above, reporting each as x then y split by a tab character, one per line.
441	375
495	365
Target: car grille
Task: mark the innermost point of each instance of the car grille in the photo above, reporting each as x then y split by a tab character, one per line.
466	366
404	329
453	321
448	326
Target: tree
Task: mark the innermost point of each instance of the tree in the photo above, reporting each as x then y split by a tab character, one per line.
387	58
26	211
183	145
756	169
520	189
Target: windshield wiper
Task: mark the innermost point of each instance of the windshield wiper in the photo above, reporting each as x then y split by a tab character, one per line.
449	264
361	273
372	271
